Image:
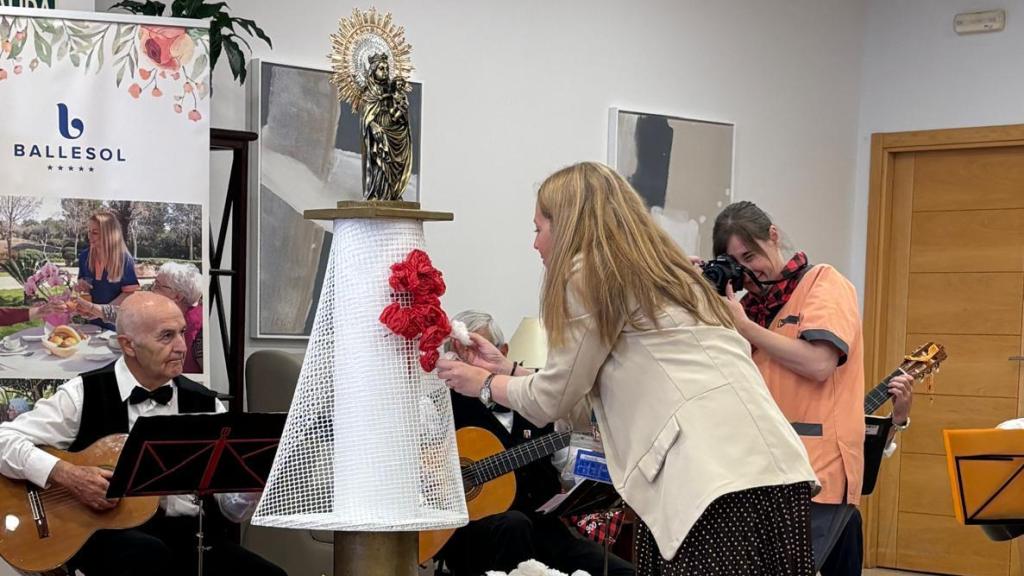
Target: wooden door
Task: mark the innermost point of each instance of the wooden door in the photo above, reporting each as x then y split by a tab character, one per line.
946	263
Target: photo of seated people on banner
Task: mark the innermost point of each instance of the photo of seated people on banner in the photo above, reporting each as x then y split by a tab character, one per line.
66	265
18	396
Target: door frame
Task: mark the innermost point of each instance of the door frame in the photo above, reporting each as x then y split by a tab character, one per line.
884	147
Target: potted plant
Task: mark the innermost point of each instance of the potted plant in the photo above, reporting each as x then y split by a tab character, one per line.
223	33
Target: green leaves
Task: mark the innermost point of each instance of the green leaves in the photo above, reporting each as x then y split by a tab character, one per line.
235	58
23	266
5	29
147	8
85	42
43	49
253	30
199	66
223	34
18	44
125	50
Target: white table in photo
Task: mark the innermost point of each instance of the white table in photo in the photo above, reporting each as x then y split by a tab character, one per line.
22	354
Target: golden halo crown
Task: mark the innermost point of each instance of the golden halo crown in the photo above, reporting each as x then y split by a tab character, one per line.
361	40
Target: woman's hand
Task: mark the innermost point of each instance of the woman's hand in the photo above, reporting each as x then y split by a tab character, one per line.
86	309
901	388
739	315
483	354
461	377
45	309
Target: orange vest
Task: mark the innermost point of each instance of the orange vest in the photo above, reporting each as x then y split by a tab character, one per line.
829	415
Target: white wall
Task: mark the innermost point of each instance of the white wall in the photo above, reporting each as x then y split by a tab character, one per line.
918	74
515	90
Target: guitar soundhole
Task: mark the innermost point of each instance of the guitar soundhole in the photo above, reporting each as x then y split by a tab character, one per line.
468	485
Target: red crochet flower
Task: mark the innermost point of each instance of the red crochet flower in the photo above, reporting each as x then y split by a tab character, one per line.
428	360
417	275
424	317
401	321
434	336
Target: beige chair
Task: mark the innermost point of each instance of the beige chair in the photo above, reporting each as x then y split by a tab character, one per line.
270	377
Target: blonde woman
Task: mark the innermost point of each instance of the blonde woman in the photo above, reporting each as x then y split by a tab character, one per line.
106	270
695	444
182	283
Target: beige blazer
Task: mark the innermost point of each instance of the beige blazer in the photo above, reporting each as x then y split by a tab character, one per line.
683	412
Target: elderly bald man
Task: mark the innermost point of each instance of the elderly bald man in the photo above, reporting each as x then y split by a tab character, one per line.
145	381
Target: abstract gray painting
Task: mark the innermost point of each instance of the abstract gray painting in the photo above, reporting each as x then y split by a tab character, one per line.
307	157
680	166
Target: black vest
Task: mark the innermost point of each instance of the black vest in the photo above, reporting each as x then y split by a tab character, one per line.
536	482
104	413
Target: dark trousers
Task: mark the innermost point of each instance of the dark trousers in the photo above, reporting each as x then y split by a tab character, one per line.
828	522
502	541
167	547
847	556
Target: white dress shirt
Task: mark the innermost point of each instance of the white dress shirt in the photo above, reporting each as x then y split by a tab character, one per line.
55	422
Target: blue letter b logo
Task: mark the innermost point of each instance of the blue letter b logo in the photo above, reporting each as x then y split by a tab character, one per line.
64	126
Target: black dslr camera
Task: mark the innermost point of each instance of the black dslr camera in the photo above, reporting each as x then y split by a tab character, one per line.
723	271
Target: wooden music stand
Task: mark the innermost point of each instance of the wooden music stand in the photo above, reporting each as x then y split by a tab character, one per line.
986	472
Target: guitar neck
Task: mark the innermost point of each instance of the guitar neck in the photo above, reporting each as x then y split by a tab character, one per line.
504	462
879	394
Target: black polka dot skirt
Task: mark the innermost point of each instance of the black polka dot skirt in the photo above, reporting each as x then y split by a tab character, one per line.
763	531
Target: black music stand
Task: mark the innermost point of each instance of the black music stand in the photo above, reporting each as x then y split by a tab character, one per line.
197	454
586	497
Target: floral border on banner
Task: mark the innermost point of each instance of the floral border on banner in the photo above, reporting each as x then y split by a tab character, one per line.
152	58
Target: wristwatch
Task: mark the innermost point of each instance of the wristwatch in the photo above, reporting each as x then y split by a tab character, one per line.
485	391
899	427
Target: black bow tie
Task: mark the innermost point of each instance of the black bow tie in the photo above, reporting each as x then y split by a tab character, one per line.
498	408
161	395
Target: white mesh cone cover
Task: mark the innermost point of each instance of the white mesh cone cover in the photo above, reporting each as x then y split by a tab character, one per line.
369	443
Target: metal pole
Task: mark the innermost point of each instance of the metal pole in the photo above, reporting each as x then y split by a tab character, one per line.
199	535
375	553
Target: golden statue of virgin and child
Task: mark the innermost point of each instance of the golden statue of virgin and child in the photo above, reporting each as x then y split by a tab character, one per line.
371	67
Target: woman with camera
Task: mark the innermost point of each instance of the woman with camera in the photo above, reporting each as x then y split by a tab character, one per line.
803	323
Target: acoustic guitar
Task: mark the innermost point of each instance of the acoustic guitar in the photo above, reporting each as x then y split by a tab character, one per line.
920	363
486	476
42	528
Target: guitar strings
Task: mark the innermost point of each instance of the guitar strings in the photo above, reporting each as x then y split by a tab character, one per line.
498	464
493	463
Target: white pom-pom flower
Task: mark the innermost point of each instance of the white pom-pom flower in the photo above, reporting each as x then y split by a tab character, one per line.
460	333
534	568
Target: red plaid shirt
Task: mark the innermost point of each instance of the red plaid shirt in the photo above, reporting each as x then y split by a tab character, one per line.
599	526
762	307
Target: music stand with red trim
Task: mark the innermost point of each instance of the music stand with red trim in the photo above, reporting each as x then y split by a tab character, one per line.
199	455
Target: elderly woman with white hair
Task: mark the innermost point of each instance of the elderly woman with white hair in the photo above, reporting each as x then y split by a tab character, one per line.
182	283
